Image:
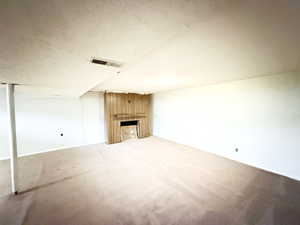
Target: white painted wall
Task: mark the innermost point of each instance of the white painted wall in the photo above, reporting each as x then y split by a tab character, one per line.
41	120
260	117
92	105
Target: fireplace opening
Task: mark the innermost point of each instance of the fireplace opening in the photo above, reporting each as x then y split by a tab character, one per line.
129	129
129	123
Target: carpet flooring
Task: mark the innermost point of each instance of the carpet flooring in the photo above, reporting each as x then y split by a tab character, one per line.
147	181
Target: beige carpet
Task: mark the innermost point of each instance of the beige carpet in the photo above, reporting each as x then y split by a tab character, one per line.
146	181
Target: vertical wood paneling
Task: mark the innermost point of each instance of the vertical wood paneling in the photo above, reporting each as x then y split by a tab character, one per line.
133	105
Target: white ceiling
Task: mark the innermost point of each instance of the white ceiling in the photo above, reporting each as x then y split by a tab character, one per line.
46	45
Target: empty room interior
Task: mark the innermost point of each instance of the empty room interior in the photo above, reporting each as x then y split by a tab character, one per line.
150	112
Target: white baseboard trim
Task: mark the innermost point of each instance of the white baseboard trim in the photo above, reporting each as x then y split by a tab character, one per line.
51	150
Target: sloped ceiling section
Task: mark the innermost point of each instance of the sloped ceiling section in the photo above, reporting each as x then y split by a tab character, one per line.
46	46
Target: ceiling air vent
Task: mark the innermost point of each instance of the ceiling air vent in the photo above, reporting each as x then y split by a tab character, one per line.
106	62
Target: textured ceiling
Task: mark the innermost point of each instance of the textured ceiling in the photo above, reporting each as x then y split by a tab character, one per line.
46	45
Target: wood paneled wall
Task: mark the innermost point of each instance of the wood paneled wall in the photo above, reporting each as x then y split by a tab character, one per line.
125	107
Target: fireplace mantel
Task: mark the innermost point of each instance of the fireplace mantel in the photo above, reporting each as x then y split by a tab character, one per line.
127	116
